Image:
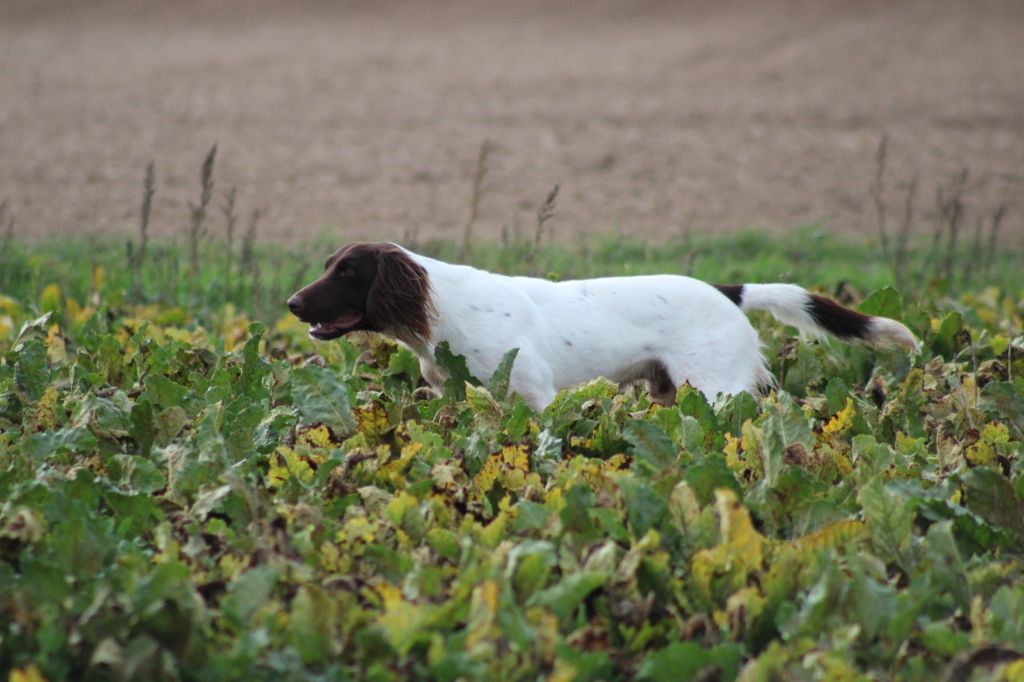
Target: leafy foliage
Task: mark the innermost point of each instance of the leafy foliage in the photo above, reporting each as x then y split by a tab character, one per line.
234	502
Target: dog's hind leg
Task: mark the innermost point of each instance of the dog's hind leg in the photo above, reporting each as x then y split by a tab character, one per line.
660	385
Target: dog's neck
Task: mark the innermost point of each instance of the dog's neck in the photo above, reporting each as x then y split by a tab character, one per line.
447	323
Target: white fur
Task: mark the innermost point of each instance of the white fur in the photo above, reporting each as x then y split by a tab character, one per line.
575	331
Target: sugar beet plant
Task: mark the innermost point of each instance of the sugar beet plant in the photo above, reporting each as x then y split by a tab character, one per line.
235	502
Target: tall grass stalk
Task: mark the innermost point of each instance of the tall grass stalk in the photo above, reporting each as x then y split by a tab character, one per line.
230	220
137	255
544	214
479	175
197	216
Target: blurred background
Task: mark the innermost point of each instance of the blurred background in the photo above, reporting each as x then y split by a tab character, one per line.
368	120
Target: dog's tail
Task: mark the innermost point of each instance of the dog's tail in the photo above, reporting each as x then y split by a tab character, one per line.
816	315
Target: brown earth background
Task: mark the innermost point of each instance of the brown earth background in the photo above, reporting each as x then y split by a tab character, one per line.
364	119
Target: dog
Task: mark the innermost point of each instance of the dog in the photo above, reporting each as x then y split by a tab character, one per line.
660	329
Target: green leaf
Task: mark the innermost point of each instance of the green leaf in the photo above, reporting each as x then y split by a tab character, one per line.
483	405
735	410
784	426
1007	399
530	516
889	516
575	514
169	424
255	367
458	373
945	567
404	361
322	399
944	342
31	373
885	302
529	565
73	439
142	426
444	542
990	495
651	446
105	417
686	661
165	393
499	381
313	625
645	508
247	594
136	473
706	474
563	597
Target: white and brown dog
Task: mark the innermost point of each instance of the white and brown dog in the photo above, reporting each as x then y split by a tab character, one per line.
662	329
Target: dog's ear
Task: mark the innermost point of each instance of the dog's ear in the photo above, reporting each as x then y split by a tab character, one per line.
399	299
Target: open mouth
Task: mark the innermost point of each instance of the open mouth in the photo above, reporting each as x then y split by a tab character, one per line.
325	331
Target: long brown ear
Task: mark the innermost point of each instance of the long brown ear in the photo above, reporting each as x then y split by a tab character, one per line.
399	299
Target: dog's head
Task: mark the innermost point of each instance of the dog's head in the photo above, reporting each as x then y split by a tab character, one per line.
368	287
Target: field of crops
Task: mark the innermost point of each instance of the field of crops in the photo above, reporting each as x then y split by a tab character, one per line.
188	493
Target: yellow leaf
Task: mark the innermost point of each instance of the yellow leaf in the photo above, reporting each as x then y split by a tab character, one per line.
491	535
29	674
393	469
357	528
49	300
8	305
510	467
329	556
45	417
732	453
981	454
317	437
1015	671
483	612
286	463
231	566
995	432
842	421
740	553
99	277
372	420
737	529
832	535
55	348
483	404
402	620
396	508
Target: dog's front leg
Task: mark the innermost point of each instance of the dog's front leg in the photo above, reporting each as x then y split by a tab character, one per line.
434	375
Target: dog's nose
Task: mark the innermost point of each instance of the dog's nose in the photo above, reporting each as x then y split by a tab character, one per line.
295	304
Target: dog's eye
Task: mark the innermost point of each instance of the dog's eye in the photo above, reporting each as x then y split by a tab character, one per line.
346	272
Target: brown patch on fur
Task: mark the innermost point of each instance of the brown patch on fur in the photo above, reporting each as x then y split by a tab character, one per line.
838	320
399	300
659	383
734	292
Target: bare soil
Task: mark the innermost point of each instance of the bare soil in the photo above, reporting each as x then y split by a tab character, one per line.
364	119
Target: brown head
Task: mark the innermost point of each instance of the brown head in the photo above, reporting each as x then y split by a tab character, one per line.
366	287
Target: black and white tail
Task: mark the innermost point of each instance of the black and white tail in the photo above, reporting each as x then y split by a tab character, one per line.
816	315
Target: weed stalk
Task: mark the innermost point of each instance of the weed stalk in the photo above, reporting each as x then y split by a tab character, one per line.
137	256
197	216
544	214
479	174
230	220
